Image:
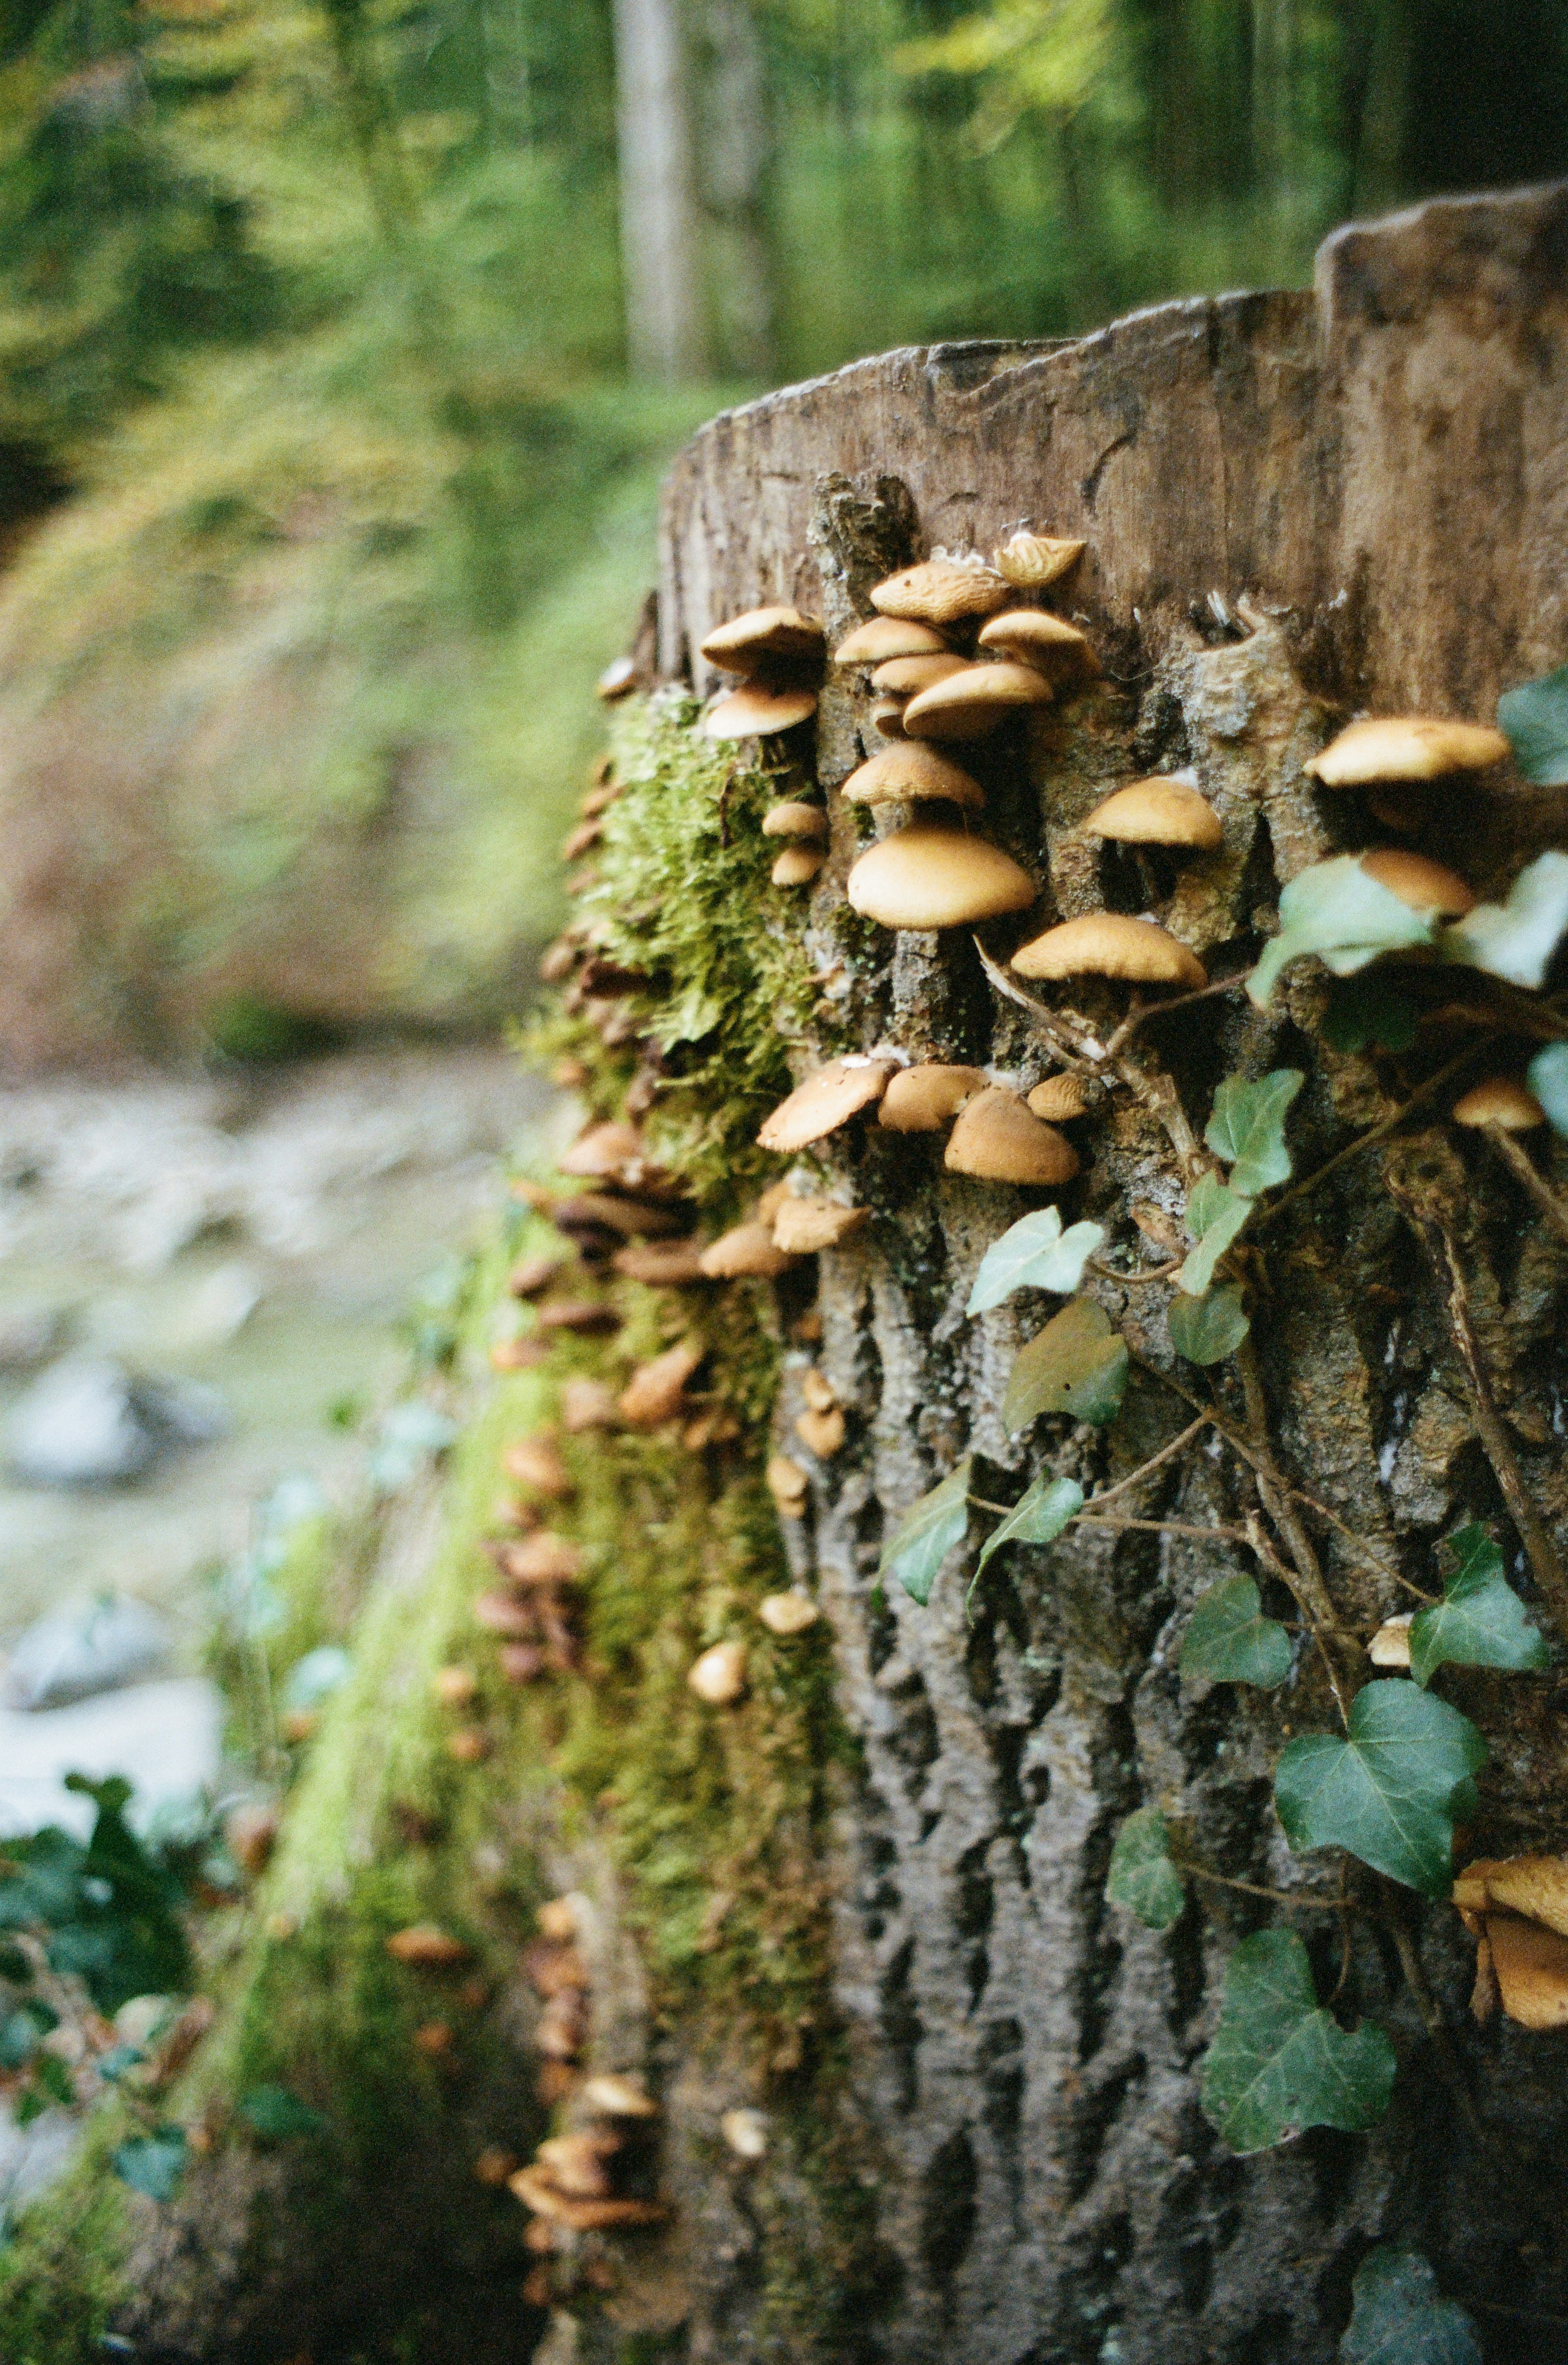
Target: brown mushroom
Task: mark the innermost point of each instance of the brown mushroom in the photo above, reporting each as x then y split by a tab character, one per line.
748	1253
1535	1886
1501	1101
454	1686
1158	813
601	1152
1109	944
469	1745
1390	1647
997	1138
1059	1099
794	818
887	716
424	1946
1531	1968
590	1404
532	1276
616	1211
717	1677
803	1225
764	637
1031	561
927	877
1033	636
755	711
912	774
543	1558
614	2095
1407	747
535	1463
796	865
534	2188
907	677
617	680
940	591
788	1613
557	1920
979	699
656	1390
576	2164
882	637
661	1264
587	1318
822	1432
1425	885
787	1484
827	1100
924	1099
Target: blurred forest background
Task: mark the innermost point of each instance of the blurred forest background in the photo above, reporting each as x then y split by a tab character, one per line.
342	342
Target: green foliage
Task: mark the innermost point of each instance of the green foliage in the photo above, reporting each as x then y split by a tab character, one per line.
1390	1790
1399	2317
1216	1213
1335	910
1372	1008
1143	1878
1516	939
1549	1082
1206	1330
1035	1253
926	1534
108	1909
1078	1364
154	2164
1479	1621
1229	1639
1248	1129
1279	2062
1038	1516
276	2116
1535	718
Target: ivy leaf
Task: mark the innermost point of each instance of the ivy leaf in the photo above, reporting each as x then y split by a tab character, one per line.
54	2079
1391	1792
1400	2318
1549	1082
1335	910
1216	1214
1279	2062
1034	1254
1206	1330
926	1534
1370	1008
1143	1878
1078	1364
1517	939
152	2163
1247	1129
1479	1621
1535	719
1229	1639
119	2058
277	2114
1037	1518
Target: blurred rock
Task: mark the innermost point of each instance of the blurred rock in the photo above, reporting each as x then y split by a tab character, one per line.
74	1654
89	1422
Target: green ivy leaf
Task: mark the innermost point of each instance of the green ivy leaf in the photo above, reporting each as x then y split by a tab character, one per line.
1037	1518
1229	1639
1535	720
1479	1621
926	1534
1549	1082
1370	1008
1279	2062
152	2163
1335	910
20	2036
1248	1129
273	2112
1206	1330
1400	2318
1143	1878
1034	1254
119	2058
1078	1364
1216	1214
54	2080
1391	1792
1517	939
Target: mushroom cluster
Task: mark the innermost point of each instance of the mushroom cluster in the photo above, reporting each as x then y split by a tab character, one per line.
778	653
1516	1909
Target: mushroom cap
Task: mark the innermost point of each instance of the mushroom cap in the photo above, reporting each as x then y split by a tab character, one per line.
940	591
1038	638
805	1225
617	680
1390	1647
1501	1101
924	877
719	1675
907	677
756	710
1030	561
747	1252
1425	885
787	1482
820	1430
970	704
925	1098
1531	1964
1058	1098
824	1102
535	1463
796	865
882	637
997	1137
656	1389
794	818
887	716
779	634
590	1404
600	1152
1535	1886
1158	813
1407	747
788	1613
424	1944
614	2095
557	1920
661	1264
1109	944
912	774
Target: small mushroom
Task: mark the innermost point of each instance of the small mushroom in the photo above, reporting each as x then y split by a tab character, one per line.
614	2095
1407	747
661	1264
601	1152
887	716
535	2190
580	840
1059	1099
424	1946
941	591
543	1558
912	774
535	1463
534	1275
589	1318
517	1354
1500	1100
924	1098
617	680
469	1745
822	1432
975	701
562	2027
828	1099
1390	1647
719	1675
454	1686
997	1138
436	2040
1425	885
620	1212
250	1834
748	1252
764	637
576	2164
1531	1968
788	1613
1109	944
557	1920
786	1483
590	1404
1033	636
494	2165
926	877
907	677
818	1389
796	865
746	2132
504	1614
794	818
755	711
657	1389
1158	813
522	1662
1031	561
803	1225
883	637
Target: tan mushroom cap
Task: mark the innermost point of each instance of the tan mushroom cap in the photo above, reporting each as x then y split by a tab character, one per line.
1038	638
719	1675
975	701
788	1613
1030	561
805	1225
907	677
600	1152
912	774
1158	813
924	877
794	818
882	637
796	865
748	1252
1109	944
763	635
617	680
998	1138
656	1390
1532	1967
1059	1099
822	1432
616	2096
824	1102
1390	1647
887	716
754	711
1500	1100
1535	1886
925	1098
1425	885
940	591
1407	747
786	1483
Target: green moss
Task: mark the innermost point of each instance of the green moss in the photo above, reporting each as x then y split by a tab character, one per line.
62	2275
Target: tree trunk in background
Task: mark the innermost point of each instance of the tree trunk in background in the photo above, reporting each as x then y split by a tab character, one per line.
734	162
660	247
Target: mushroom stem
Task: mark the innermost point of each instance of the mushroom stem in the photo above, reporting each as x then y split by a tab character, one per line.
1517	1160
